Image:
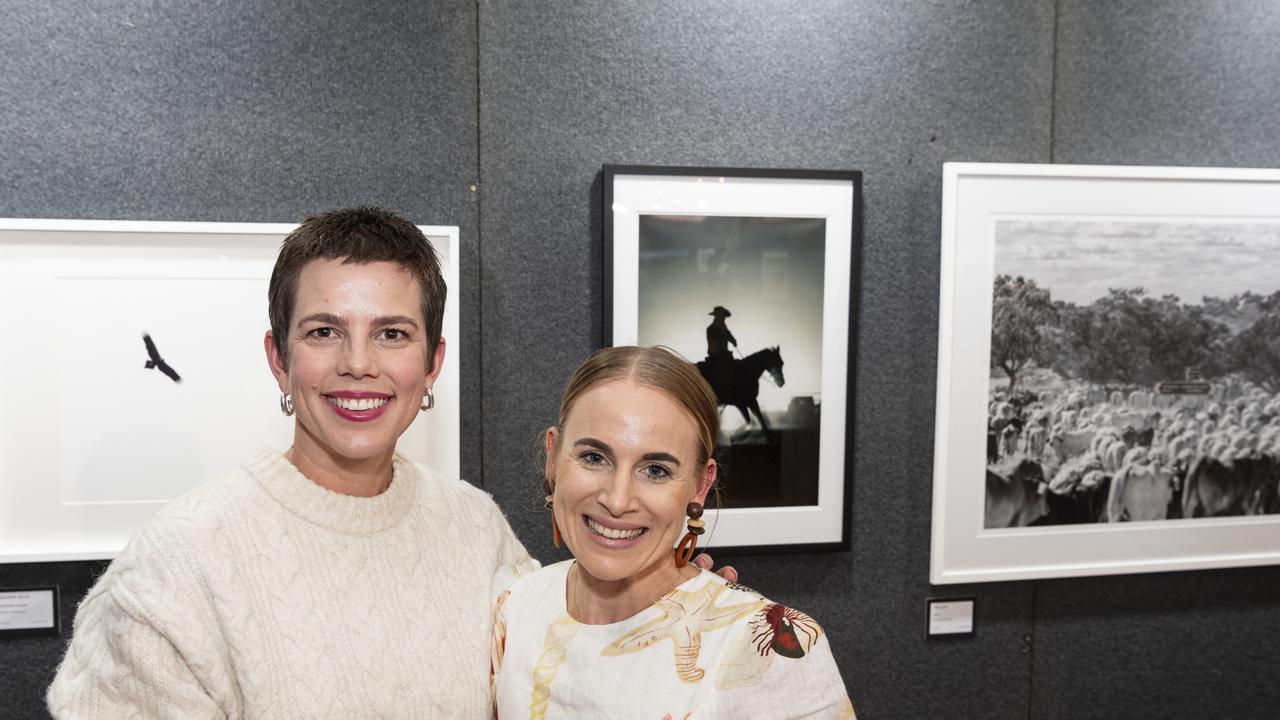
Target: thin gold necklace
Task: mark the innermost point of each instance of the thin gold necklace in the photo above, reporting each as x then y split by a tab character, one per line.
572	603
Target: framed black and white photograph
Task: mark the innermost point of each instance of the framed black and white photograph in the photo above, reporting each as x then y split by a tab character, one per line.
750	274
1109	371
106	435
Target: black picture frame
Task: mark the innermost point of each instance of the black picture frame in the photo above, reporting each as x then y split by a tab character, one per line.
797	235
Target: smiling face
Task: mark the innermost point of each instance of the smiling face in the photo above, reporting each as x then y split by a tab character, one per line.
624	466
357	363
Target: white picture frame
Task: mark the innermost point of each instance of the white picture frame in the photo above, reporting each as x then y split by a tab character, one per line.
983	207
832	199
81	465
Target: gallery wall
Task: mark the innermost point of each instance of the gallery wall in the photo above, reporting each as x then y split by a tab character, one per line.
242	111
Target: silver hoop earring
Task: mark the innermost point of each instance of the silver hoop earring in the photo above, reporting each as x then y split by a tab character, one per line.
428	400
286	404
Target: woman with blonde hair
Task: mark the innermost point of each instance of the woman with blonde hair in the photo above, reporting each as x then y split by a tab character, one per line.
629	628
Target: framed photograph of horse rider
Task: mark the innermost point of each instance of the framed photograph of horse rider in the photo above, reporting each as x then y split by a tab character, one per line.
750	274
1108	371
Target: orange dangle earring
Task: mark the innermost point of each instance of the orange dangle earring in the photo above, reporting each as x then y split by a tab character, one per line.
689	543
555	529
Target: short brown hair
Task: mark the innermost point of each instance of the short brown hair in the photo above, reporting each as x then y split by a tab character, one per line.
657	367
357	235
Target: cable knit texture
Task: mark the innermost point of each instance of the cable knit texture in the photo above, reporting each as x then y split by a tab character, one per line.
263	595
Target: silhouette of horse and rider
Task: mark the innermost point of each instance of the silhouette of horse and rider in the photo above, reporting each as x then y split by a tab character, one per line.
736	381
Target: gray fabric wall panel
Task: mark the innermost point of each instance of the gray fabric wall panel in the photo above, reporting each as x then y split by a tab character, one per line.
235	110
1163	84
238	110
1168	645
29	663
892	90
1168	83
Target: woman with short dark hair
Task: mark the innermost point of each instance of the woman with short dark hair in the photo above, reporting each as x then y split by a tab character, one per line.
335	579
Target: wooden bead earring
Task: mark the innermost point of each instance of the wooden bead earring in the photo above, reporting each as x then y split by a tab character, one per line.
689	543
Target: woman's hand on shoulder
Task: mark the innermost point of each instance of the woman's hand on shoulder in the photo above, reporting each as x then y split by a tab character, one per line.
705	562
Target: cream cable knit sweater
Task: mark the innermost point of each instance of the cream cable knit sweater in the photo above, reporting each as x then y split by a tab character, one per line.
263	595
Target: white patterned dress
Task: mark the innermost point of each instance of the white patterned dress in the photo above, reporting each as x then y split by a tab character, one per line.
708	649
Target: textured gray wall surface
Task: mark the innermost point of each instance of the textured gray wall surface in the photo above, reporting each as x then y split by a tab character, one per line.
242	111
29	663
1168	83
234	110
888	89
1168	645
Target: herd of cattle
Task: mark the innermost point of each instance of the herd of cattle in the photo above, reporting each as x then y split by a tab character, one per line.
1086	457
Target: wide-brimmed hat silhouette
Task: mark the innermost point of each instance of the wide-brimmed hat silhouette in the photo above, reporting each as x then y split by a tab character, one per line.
719	311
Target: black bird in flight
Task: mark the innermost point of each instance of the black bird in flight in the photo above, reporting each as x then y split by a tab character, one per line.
158	362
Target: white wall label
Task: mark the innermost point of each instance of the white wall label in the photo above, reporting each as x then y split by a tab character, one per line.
951	616
29	611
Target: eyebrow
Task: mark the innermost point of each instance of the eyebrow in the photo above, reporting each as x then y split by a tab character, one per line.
395	320
331	319
604	447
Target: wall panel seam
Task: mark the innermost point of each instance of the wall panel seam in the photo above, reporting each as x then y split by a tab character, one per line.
1053	81
479	291
1031	654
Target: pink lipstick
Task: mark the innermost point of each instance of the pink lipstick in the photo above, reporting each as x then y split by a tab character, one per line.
358	406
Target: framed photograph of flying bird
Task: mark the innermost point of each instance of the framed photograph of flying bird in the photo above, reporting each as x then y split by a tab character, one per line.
752	275
1108	371
141	373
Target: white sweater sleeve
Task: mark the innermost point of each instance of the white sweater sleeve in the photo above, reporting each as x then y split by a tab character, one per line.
512	559
512	551
142	647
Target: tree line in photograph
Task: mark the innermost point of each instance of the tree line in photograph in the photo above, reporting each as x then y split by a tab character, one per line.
1128	338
